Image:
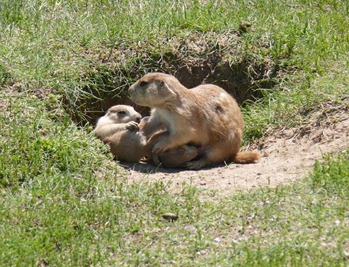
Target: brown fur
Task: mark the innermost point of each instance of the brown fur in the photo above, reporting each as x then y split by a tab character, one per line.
129	143
205	116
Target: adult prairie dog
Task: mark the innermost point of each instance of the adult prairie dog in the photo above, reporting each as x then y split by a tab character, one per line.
129	143
206	116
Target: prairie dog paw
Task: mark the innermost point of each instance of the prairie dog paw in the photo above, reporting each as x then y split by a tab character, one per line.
156	159
132	126
158	148
194	165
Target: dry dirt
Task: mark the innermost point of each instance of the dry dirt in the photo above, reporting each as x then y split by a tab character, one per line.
287	155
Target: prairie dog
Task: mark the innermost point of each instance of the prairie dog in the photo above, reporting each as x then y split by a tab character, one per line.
119	128
117	118
205	115
129	143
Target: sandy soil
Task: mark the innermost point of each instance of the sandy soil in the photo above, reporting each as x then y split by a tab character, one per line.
287	155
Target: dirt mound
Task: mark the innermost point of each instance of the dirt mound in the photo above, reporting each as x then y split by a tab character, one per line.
287	155
194	59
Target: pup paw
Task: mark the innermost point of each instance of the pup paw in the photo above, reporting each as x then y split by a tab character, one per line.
132	126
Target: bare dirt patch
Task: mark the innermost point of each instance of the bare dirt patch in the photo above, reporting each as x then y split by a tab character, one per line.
287	155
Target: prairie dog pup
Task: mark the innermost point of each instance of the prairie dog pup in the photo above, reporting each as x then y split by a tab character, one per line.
205	115
128	143
117	118
119	128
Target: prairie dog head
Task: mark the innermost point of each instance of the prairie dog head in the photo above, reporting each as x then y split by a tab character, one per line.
154	90
120	114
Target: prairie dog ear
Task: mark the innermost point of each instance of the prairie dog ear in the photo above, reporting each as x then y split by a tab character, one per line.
164	85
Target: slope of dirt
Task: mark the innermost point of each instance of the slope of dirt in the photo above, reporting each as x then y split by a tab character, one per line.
286	155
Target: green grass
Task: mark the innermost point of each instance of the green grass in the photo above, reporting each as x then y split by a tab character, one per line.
295	99
73	45
65	202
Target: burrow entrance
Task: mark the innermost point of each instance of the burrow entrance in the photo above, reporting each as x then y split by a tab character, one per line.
192	62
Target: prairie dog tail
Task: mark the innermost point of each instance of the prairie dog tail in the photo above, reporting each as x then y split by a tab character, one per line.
247	157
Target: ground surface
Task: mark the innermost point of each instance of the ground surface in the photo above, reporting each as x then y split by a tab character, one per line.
286	155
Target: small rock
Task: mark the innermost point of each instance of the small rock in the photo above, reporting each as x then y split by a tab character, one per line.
217	240
190	228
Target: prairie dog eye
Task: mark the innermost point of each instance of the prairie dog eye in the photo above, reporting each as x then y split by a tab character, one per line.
121	112
143	83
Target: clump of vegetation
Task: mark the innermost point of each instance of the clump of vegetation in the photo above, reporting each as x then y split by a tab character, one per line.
331	178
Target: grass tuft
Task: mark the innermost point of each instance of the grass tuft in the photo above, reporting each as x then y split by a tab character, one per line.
333	178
